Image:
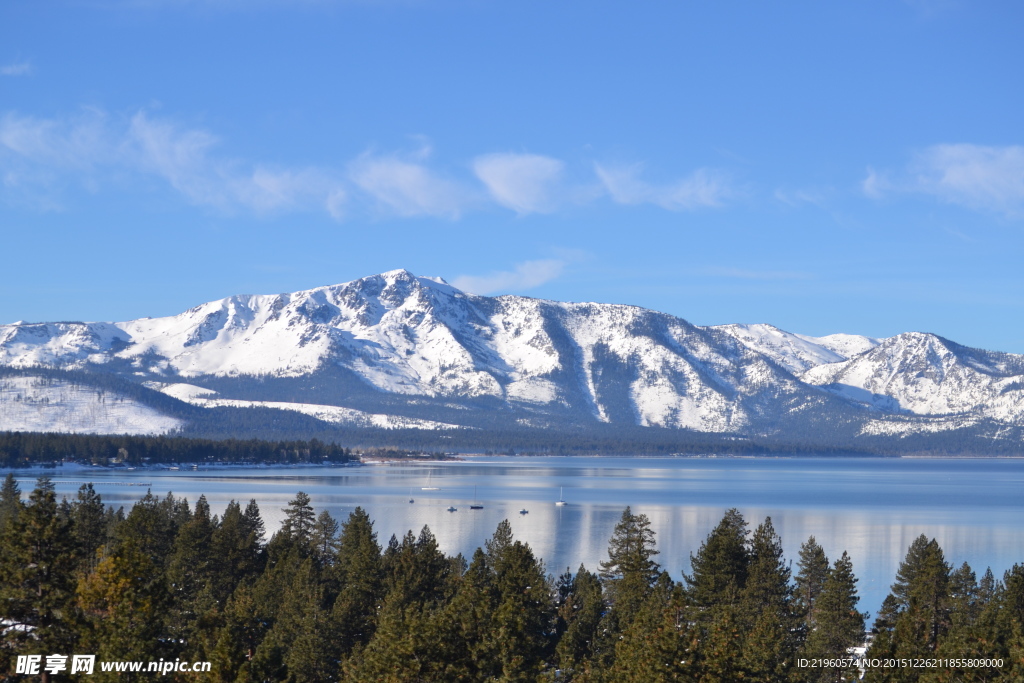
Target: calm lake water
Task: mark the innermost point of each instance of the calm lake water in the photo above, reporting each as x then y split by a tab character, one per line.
872	508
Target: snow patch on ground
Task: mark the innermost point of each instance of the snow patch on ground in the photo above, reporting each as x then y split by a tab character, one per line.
333	414
181	391
903	428
45	405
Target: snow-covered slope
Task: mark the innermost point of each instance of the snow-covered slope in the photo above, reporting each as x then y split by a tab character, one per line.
414	336
44	405
797	352
337	415
925	374
391	348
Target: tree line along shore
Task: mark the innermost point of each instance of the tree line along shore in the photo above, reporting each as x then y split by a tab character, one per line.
324	601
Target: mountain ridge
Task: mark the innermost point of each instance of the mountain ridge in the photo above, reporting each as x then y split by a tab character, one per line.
417	348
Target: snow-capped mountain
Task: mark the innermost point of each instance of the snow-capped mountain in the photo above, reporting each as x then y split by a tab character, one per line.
924	374
422	354
797	352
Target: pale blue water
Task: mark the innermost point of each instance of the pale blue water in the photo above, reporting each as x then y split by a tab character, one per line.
872	508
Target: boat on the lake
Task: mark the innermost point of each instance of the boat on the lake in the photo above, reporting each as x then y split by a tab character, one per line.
476	504
452	508
428	487
524	511
561	497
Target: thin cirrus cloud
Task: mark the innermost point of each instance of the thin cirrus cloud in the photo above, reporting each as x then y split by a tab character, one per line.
408	188
40	158
525	183
16	69
978	177
37	155
525	275
704	188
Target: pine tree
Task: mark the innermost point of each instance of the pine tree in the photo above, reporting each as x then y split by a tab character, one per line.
299	520
839	625
766	608
125	601
253	521
89	523
325	538
720	565
359	570
630	572
523	613
658	645
810	580
10	499
416	572
235	555
977	629
582	605
37	577
915	615
189	570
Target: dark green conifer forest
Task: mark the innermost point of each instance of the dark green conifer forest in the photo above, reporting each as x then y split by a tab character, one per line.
326	600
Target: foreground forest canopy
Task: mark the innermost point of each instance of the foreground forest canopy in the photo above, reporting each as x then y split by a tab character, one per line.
323	601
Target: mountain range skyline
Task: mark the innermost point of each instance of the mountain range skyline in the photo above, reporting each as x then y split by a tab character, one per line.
398	351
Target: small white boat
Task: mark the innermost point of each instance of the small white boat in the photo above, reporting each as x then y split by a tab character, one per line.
561	498
452	508
428	487
524	511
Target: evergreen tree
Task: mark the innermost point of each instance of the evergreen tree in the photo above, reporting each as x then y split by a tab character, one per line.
10	499
978	628
523	614
415	571
37	577
839	625
325	538
767	610
89	524
630	572
253	521
720	565
581	606
810	579
915	615
235	553
658	646
190	568
299	520
359	570
125	601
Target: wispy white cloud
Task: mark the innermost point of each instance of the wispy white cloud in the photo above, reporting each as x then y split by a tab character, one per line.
526	275
525	183
183	158
95	147
406	187
41	158
701	189
16	69
983	178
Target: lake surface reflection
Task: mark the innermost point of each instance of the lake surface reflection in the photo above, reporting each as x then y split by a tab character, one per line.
873	508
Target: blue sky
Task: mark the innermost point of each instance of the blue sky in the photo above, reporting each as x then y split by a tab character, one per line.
825	167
